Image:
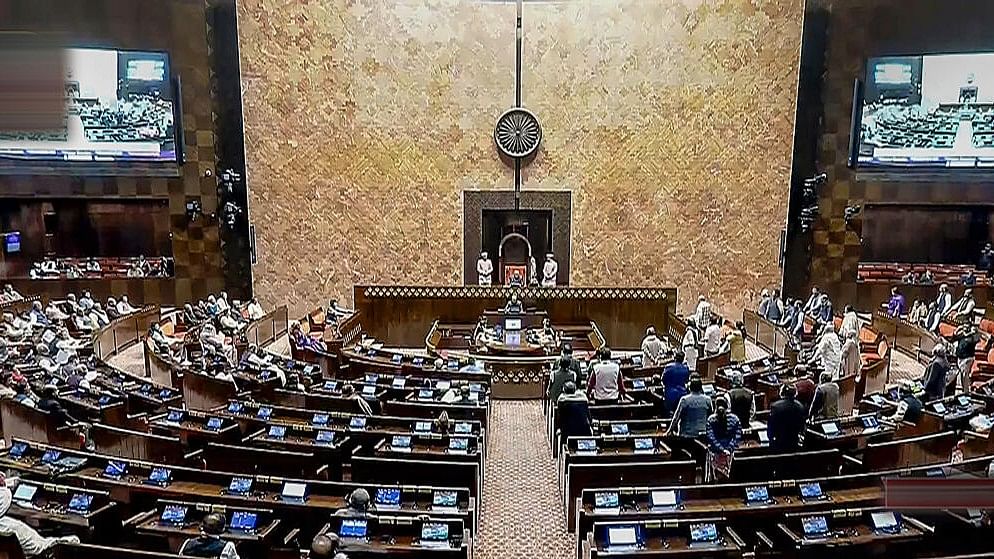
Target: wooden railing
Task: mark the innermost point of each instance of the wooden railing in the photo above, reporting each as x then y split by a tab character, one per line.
124	332
910	339
267	329
767	335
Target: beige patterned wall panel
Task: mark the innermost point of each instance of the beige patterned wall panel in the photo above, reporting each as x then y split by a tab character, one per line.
670	121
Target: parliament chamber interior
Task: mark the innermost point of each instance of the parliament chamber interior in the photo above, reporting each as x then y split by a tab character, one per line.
496	279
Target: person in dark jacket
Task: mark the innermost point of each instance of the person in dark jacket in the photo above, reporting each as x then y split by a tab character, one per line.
825	404
692	411
573	412
909	408
966	338
934	379
561	374
742	401
675	377
49	402
210	544
787	418
567	360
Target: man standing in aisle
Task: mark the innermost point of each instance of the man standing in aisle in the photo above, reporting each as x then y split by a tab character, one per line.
550	271
485	270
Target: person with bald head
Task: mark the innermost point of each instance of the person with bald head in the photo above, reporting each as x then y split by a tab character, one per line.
325	546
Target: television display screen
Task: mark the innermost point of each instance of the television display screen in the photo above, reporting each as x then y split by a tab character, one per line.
119	107
927	111
12	242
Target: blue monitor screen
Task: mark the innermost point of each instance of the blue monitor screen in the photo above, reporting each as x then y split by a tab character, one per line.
811	490
264	413
80	503
320	419
458	443
175	416
704	532
240	485
619	429
586	444
50	456
352	528
757	494
463	428
401	441
422	427
326	437
444	499
18	449
814	526
214	423
12	242
426	394
243	521
115	468
389	496
606	499
435	531
236	407
643	444
160	475
173	514
165	394
277	432
357	422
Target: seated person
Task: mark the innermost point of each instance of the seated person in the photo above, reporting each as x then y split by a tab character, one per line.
164	343
73	271
50	403
215	344
190	315
231	321
54	313
349	393
254	310
10	329
457	394
44	359
358	505
66	341
969	278
325	546
98	315
209	543
222	301
513	305
303	340
32	543
909	407
83	322
38	315
124	306
92	266
49	267
10	294
212	307
111	309
86	301
516	280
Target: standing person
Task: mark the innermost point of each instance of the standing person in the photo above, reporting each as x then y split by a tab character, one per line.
566	356
896	304
692	411
944	300
909	408
934	379
690	344
702	316
828	352
653	349
550	271
811	307
741	400
966	338
850	362
736	343
573	414
787	417
724	433
796	328
764	304
484	270
210	544
825	404
775	311
675	377
850	321
561	374
962	311
712	337
605	385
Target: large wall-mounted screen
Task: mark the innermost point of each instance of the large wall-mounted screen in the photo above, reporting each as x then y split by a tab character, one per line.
933	111
119	109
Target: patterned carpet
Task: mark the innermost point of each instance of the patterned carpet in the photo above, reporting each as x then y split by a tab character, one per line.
522	514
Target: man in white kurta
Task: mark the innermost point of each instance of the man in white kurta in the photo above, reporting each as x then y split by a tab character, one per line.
828	352
689	345
550	271
485	270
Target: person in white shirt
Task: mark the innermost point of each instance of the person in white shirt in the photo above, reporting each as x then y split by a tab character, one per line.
653	349
49	268
98	315
712	337
83	322
828	352
550	271
702	315
944	301
484	270
10	293
32	543
962	311
850	321
214	343
124	306
605	385
222	302
54	313
86	301
255	311
689	344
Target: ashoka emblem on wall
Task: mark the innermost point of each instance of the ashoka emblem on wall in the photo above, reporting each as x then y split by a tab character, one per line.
517	133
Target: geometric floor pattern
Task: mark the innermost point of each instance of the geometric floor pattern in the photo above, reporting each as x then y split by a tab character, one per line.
522	515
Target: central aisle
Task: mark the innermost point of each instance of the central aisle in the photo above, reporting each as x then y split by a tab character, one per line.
522	513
